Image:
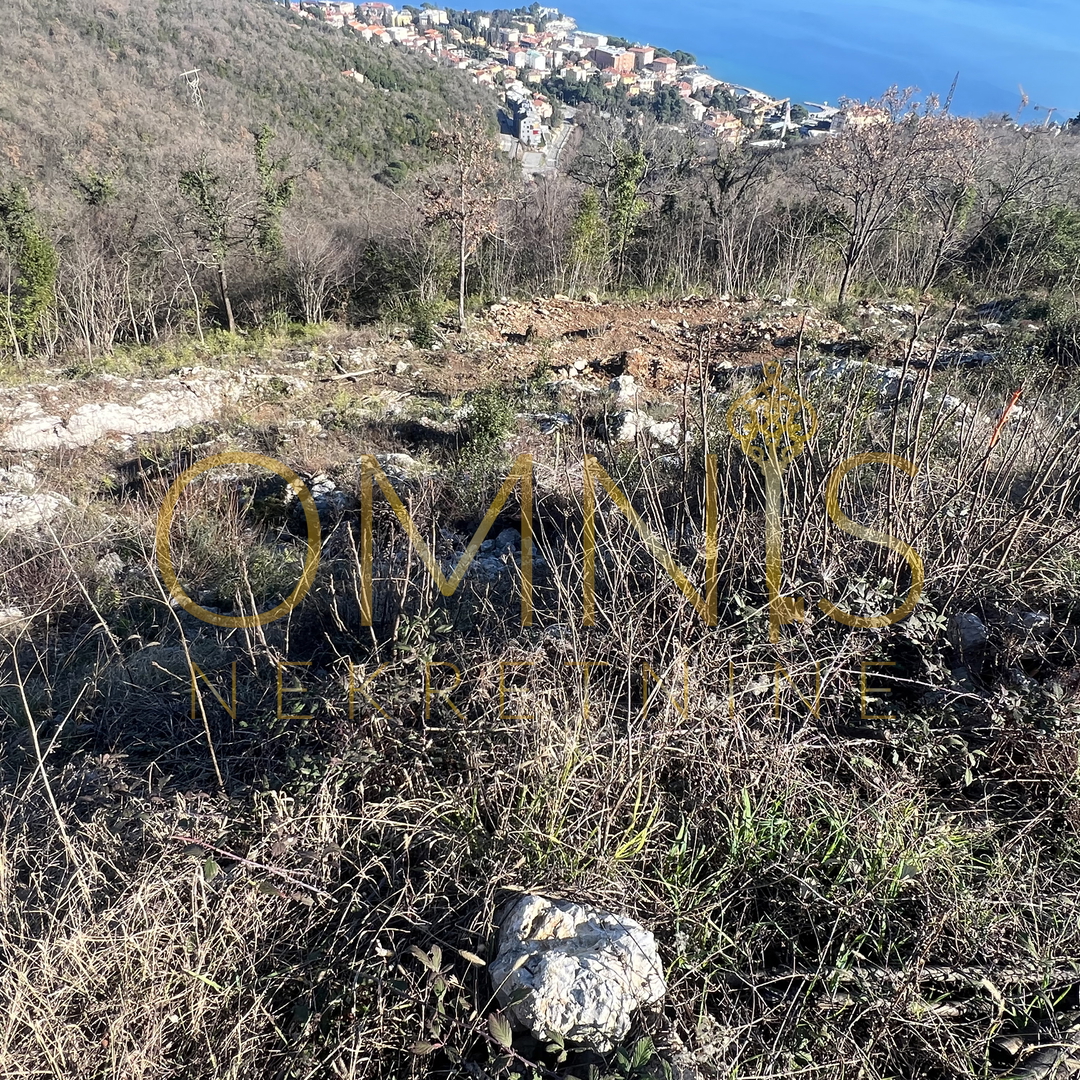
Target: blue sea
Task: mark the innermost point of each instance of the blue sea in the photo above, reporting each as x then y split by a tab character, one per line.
822	51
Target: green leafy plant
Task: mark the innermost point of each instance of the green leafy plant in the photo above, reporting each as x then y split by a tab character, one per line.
424	317
32	263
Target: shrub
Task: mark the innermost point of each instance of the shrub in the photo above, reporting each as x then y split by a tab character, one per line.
490	421
1063	329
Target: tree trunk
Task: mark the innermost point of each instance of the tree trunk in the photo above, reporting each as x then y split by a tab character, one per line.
5	306
226	303
851	257
461	278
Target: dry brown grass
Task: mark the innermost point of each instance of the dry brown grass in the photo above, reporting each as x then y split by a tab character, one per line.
833	895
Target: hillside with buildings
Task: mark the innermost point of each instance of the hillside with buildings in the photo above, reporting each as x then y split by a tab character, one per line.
539	61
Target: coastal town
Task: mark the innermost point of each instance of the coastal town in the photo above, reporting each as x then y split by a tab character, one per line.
542	64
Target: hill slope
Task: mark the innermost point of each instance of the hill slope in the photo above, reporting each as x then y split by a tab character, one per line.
100	88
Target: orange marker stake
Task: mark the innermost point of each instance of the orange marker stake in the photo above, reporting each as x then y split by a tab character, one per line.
1005	416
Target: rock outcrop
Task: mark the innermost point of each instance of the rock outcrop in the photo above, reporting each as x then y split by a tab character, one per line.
135	407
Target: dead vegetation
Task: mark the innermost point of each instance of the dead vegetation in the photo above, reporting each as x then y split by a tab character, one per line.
857	847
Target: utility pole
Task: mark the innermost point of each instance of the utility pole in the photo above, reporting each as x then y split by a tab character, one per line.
192	77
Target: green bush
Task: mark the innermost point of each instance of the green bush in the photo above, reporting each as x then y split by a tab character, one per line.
423	317
490	421
1063	329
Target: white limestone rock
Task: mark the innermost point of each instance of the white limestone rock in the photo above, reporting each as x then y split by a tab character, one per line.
20	511
624	426
19	478
133	407
666	432
890	383
583	971
402	467
631	424
625	389
329	499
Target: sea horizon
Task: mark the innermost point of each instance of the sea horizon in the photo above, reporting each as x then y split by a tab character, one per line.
822	52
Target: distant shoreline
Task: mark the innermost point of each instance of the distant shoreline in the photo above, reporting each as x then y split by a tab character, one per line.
827	52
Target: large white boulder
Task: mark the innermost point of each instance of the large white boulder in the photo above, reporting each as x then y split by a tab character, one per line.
575	971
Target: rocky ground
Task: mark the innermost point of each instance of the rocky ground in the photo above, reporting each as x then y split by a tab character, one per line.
877	893
644	354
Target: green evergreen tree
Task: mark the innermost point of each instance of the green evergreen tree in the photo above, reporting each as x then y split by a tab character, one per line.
275	193
625	206
30	285
588	239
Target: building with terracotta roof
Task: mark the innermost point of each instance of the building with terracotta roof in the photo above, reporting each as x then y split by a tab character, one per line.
858	117
665	68
725	127
607	57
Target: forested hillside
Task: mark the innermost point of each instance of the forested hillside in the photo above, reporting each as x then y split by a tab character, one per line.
155	212
100	88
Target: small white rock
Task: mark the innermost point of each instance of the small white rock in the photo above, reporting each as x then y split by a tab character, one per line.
111	565
624	426
574	970
19	511
625	389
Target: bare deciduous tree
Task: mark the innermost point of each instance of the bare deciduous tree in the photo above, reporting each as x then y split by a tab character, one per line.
465	189
893	158
317	260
